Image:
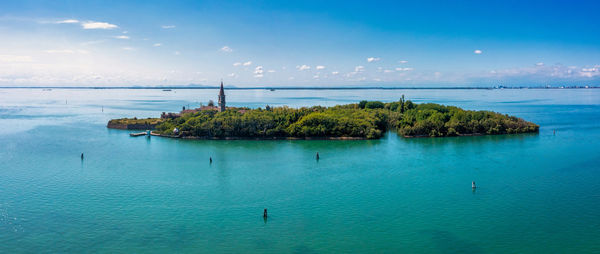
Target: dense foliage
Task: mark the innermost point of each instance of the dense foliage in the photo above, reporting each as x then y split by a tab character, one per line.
367	119
339	121
436	120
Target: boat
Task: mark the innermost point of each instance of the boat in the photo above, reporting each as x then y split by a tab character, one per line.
167	90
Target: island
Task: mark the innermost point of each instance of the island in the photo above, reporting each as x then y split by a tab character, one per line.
363	120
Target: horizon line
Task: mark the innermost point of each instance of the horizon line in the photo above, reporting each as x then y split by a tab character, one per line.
305	87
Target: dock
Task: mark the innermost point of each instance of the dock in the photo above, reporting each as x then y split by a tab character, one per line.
137	134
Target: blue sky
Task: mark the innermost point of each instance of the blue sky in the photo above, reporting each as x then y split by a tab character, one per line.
301	43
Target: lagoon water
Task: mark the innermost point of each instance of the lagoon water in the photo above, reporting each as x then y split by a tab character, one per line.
538	193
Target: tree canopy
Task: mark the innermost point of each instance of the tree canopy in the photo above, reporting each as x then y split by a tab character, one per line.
367	119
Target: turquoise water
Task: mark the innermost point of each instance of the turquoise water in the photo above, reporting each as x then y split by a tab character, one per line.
538	193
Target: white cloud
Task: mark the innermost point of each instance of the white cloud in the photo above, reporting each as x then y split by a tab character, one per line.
237	64
291	78
320	67
247	63
335	72
67	21
271	71
388	71
122	37
403	61
589	72
157	44
303	67
357	70
15	59
539	64
545	74
167	26
226	49
404	69
177	53
373	59
128	48
232	75
97	25
477	51
258	70
316	76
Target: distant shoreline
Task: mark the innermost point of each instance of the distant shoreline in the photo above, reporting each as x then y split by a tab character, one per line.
293	88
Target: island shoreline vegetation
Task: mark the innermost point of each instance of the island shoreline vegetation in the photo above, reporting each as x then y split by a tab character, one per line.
363	120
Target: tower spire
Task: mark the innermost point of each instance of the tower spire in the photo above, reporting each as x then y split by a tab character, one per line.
222	98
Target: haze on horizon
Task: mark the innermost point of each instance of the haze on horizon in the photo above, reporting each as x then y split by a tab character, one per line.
301	43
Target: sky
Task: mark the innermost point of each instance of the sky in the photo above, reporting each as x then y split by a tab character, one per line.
299	43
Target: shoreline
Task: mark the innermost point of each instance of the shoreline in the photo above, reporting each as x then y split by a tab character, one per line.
152	133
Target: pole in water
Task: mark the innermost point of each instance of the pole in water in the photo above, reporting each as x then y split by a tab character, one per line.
317	156
554	132
473	185
82	156
265	213
210	159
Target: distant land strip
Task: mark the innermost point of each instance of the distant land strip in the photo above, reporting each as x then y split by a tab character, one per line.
296	87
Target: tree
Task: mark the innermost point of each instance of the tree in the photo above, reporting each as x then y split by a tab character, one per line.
211	103
402	104
362	104
374	104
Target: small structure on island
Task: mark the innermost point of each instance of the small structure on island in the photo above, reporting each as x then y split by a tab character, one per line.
317	156
473	185
221	107
265	213
81	156
165	115
222	99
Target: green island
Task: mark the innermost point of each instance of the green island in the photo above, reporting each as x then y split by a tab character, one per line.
364	120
